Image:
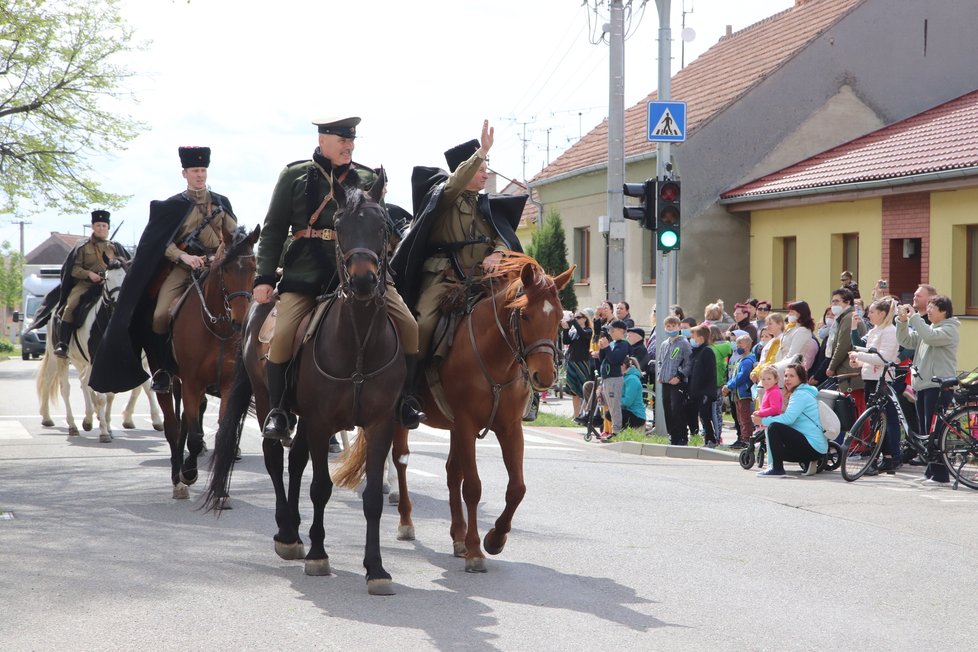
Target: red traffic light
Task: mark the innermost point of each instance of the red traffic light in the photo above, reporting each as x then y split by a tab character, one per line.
669	191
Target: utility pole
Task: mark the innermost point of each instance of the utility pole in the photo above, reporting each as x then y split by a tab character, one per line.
616	153
665	263
21	223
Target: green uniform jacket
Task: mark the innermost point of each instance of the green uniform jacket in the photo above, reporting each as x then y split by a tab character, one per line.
309	265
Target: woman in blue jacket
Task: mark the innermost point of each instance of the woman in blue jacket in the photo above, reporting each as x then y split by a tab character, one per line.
632	407
796	434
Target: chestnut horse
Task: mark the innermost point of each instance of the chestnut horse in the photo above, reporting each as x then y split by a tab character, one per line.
347	375
206	338
504	348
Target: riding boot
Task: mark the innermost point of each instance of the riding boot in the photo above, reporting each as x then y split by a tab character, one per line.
409	408
162	381
64	336
277	422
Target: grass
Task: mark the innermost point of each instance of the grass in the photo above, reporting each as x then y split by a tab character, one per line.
628	434
548	420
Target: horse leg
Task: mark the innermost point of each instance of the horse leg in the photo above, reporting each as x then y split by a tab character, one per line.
398	465
90	407
453	472
287	543
106	415
378	447
154	406
192	417
317	561
69	416
172	430
511	444
464	443
390	475
127	411
298	459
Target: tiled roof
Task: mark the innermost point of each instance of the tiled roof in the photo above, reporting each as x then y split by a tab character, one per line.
54	249
942	138
716	79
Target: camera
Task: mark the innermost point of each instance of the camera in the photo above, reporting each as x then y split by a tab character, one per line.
883	284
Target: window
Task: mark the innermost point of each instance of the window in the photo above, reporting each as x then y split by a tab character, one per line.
788	270
850	254
972	283
648	257
582	254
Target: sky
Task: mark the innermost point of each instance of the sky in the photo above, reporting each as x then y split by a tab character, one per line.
247	80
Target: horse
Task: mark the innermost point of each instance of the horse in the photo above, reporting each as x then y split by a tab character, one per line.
206	335
53	372
346	375
503	348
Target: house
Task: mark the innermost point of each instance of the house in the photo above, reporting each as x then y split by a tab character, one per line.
899	204
803	81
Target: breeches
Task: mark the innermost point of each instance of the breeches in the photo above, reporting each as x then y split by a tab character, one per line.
68	314
175	284
293	306
428	313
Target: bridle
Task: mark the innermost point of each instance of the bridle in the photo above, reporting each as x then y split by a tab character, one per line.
513	337
211	321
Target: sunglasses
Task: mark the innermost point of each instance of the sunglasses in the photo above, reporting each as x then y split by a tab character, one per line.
765	309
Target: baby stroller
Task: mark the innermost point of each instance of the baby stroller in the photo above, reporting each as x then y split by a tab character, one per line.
748	456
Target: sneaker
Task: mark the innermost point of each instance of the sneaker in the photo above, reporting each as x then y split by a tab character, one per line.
607	439
771	473
931	482
738	445
888	466
710	444
812	468
873	469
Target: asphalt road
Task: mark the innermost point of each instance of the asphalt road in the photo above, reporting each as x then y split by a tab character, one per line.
609	551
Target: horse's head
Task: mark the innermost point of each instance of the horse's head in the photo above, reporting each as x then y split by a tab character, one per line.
235	265
361	239
534	302
115	274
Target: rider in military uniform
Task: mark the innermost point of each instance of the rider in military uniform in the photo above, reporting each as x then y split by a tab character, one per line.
459	232
182	232
84	267
303	207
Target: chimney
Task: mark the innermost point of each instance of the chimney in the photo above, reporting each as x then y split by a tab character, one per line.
729	30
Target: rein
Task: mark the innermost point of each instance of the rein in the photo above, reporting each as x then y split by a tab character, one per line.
520	353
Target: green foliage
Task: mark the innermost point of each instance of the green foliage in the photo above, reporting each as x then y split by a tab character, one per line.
58	83
6	346
11	275
549	248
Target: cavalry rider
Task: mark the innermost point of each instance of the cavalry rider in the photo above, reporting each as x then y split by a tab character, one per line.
84	267
458	233
303	207
182	233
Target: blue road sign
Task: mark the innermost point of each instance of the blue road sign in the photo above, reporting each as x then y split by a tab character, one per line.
667	122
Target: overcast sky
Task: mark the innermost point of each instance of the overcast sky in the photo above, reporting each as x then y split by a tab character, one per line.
422	75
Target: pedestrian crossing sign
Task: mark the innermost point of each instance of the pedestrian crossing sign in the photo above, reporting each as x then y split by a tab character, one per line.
667	122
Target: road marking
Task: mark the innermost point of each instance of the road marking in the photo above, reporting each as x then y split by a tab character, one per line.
13	430
423	474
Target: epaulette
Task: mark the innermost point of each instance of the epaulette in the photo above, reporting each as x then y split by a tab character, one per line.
302	161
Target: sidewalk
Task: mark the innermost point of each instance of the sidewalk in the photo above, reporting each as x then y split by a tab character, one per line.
564	407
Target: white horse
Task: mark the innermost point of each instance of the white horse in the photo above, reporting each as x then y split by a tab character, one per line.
53	373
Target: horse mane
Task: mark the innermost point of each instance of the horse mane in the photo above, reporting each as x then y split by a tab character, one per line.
508	270
239	246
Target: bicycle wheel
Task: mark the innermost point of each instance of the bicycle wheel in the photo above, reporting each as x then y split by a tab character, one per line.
959	444
863	443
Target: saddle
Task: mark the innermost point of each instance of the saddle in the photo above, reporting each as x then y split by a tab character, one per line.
307	328
86	303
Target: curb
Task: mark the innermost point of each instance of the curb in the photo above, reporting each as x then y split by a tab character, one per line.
654	450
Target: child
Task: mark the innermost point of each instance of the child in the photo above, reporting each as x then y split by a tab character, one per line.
771	401
610	360
703	390
738	388
672	366
632	407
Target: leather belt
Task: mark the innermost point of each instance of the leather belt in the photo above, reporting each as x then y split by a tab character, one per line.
318	234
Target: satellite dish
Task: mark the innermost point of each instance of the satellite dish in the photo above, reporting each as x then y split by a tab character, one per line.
688	34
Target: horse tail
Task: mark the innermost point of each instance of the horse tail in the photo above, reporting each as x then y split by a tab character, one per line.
354	464
228	436
48	381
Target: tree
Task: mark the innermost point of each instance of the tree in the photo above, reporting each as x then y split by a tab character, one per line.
57	75
11	279
550	250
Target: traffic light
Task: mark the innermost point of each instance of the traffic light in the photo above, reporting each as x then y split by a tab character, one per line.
643	212
667	214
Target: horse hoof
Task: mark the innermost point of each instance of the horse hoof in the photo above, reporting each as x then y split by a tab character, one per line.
317	567
458	548
47	423
475	565
158	427
73	431
405	533
181	491
386	488
293	551
87	425
128	425
393	498
490	545
189	477
224	502
380	587
105	438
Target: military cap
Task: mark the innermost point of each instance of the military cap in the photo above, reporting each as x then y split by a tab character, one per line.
100	216
195	157
460	154
342	127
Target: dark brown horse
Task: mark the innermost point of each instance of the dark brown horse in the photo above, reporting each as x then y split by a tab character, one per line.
347	375
502	350
206	339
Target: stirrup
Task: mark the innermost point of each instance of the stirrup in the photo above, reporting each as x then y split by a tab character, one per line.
409	412
162	382
276	425
61	350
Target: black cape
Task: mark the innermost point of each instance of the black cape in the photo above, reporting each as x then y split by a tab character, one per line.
502	211
118	365
57	297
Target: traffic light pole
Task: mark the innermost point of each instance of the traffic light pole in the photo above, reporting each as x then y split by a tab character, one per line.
665	263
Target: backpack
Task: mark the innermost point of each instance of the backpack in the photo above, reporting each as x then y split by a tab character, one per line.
831	426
